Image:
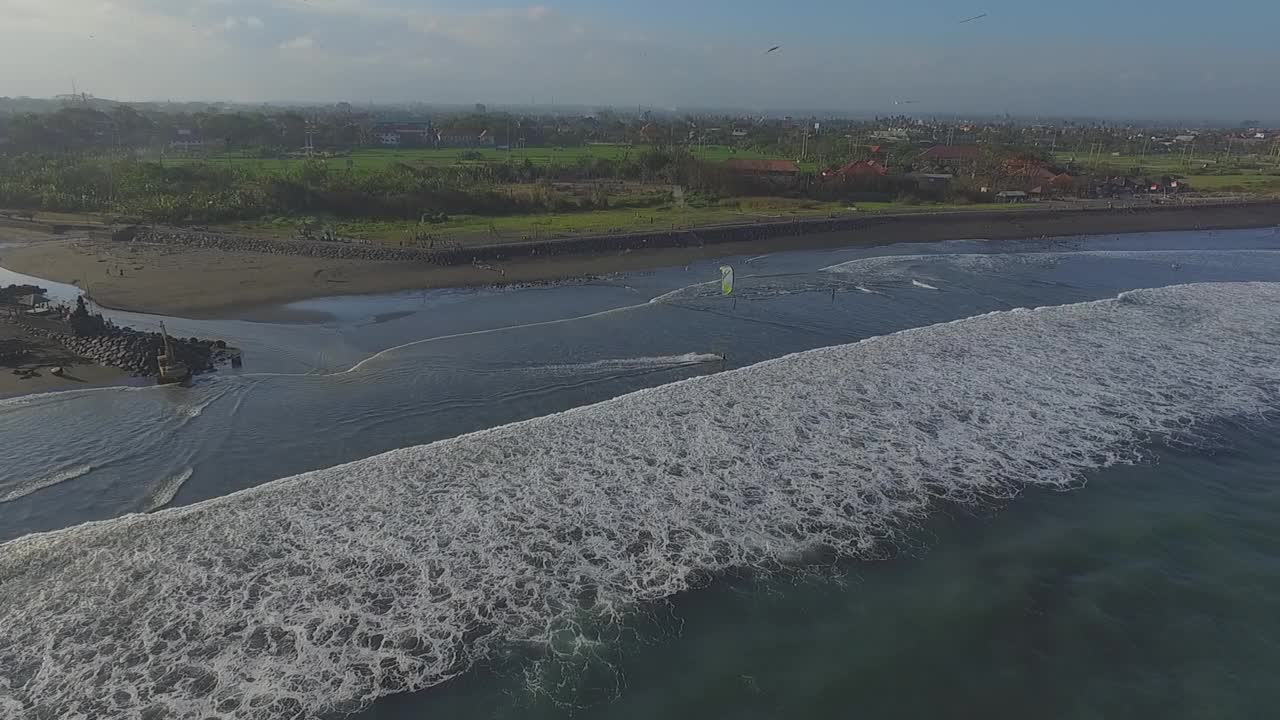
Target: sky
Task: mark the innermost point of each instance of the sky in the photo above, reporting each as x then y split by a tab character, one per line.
1183	59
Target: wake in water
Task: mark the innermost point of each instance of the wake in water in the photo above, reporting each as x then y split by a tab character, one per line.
322	592
167	490
642	363
57	478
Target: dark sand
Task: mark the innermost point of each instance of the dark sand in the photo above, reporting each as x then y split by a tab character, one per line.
190	282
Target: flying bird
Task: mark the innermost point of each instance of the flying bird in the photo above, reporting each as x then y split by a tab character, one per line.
775	47
975	17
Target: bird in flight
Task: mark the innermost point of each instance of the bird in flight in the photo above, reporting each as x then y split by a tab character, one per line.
775	47
975	17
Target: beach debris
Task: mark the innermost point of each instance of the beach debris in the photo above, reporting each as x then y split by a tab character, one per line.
57	371
969	20
775	48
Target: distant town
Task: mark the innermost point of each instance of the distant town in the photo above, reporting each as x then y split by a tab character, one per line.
414	174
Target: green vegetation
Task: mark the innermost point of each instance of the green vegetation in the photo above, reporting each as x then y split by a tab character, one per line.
1210	174
378	159
480	229
1241	182
288	173
419	187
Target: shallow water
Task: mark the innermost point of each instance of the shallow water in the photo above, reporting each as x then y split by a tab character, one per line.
1104	377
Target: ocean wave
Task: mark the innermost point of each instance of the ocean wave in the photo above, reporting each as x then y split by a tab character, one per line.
23	401
28	487
167	490
322	592
638	363
899	266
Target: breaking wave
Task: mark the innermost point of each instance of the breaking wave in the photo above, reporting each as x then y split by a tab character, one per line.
167	490
322	592
899	267
24	489
641	363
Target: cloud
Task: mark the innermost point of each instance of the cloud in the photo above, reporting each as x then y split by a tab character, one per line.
446	51
302	42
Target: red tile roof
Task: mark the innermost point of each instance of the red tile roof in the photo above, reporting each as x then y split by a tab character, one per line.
862	168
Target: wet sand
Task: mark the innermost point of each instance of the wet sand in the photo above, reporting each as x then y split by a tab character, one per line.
203	283
199	283
45	355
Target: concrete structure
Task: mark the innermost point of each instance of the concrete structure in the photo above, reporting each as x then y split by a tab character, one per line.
404	134
186	140
465	137
1012	196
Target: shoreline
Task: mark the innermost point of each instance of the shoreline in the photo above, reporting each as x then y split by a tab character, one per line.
79	373
195	282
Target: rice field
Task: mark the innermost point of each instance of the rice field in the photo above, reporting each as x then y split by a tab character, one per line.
1172	163
378	158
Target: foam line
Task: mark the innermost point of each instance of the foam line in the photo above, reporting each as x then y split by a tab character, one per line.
31	486
472	333
640	363
319	593
891	264
167	490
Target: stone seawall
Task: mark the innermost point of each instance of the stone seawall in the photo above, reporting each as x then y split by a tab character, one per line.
135	351
892	228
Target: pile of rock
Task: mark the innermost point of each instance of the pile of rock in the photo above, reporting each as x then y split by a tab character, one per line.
304	248
135	351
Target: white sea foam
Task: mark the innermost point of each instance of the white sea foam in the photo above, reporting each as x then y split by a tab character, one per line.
900	266
167	490
323	591
22	401
639	363
926	286
27	487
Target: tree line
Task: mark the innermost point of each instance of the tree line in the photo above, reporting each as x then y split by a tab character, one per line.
199	193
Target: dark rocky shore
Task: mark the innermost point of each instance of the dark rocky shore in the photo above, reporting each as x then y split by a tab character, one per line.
132	350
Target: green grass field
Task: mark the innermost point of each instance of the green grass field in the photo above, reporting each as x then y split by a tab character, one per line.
1171	163
1243	181
372	159
477	229
1152	163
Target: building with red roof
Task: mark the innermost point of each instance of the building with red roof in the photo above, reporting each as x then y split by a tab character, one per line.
860	169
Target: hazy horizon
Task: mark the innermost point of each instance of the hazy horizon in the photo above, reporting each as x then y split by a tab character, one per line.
1091	59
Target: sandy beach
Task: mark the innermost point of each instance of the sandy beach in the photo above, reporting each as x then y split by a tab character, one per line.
196	282
46	355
